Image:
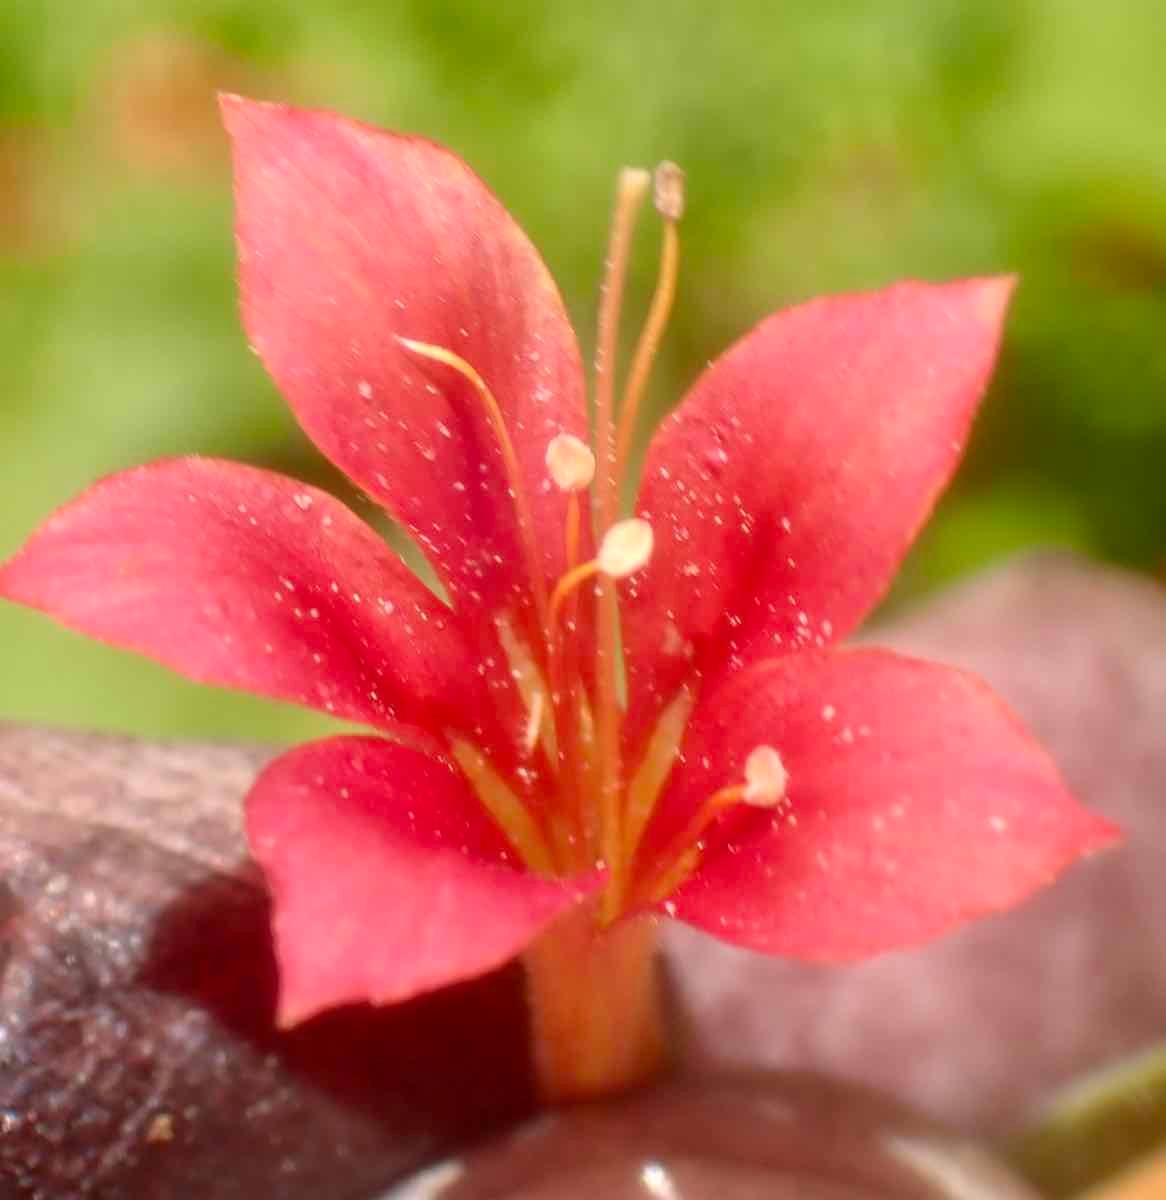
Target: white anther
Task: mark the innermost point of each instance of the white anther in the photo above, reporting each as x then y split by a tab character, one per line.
668	191
570	462
625	548
765	778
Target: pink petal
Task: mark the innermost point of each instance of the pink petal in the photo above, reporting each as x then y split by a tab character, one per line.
349	237
915	801
388	879
787	487
244	578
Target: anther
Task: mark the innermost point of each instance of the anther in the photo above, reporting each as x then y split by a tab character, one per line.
626	547
668	191
570	462
765	778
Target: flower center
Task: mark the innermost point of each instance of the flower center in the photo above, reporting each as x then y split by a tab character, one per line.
581	809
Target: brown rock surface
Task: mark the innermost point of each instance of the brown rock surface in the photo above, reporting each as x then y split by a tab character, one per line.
137	1054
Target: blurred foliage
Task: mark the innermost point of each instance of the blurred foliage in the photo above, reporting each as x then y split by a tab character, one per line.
1110	1123
830	146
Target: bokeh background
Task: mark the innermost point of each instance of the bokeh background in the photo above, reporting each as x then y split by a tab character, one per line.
831	145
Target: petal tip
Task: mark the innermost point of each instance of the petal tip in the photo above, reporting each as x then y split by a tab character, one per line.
232	106
991	296
1102	834
240	112
292	1010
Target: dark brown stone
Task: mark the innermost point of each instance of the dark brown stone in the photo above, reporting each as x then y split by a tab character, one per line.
137	1052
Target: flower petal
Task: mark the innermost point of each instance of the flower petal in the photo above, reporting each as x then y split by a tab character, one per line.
350	237
915	801
788	485
387	877
244	578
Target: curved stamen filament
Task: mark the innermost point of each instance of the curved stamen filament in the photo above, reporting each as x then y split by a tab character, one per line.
764	786
522	510
567	584
507	810
669	203
679	858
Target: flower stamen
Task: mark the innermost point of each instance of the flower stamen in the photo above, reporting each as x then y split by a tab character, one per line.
625	549
668	198
508	812
534	723
572	468
570	463
764	786
656	764
522	509
532	689
631	189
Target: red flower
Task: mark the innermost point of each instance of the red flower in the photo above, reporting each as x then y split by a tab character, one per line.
778	792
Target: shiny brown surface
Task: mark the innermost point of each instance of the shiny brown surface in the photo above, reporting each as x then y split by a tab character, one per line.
761	1139
137	1054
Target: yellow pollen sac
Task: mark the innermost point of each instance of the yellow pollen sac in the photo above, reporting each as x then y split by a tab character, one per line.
765	778
626	547
570	462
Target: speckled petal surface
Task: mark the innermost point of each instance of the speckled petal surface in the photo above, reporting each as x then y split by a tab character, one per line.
387	877
915	801
786	488
350	238
245	578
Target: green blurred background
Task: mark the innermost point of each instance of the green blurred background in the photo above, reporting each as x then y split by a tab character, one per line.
830	145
